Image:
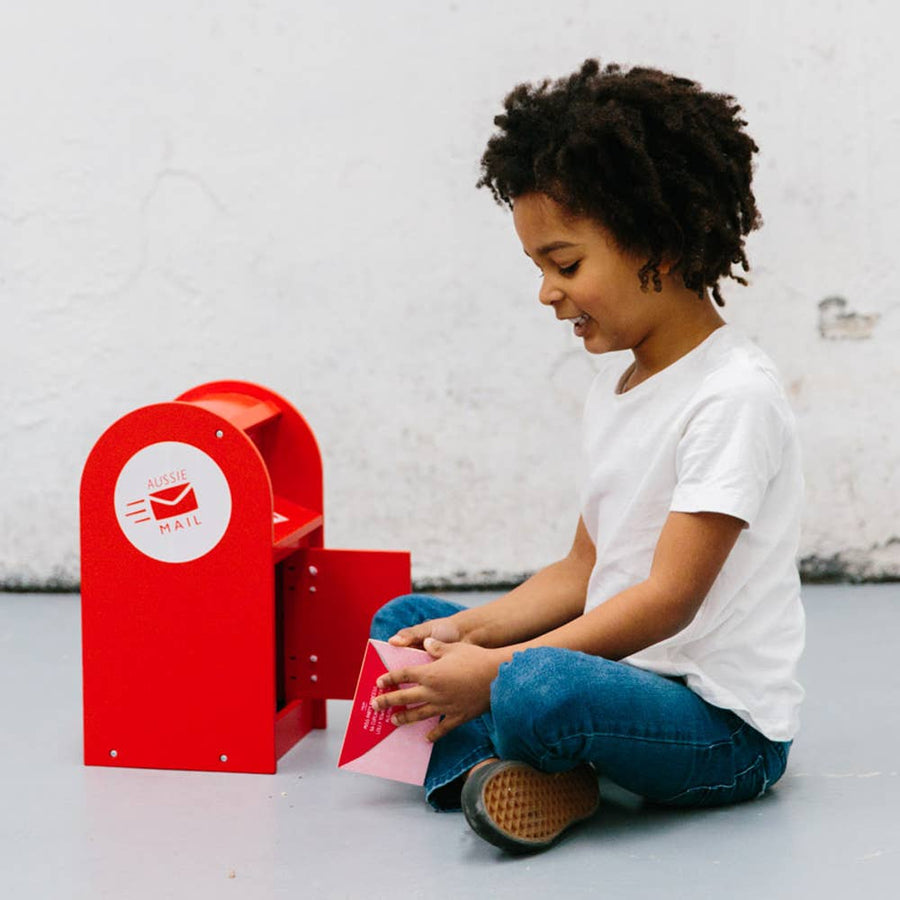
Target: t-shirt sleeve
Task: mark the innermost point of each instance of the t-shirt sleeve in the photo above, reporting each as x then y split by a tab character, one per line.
730	450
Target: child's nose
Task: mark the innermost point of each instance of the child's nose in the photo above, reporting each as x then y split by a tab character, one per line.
549	294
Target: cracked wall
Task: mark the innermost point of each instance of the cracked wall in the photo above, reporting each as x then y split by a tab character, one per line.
284	193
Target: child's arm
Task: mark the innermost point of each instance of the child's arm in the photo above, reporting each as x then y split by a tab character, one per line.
549	598
689	554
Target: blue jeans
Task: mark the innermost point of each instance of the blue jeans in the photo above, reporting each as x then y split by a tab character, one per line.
554	709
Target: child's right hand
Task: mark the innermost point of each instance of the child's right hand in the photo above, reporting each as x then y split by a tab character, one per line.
445	630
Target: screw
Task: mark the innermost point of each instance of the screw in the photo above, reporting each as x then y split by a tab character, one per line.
220	433
313	570
113	753
312	589
313	677
223	758
314	658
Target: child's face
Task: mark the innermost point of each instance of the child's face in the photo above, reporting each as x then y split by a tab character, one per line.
586	278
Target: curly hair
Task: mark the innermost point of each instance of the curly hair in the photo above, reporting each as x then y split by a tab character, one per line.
662	164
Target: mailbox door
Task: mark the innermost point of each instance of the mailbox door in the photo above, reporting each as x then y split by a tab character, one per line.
330	597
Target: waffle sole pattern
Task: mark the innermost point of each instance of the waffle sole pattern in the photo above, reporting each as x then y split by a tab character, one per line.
520	809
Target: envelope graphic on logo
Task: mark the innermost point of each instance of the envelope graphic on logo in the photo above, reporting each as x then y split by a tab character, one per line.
373	745
173	501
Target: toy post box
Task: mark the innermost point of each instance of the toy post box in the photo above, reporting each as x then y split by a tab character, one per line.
215	624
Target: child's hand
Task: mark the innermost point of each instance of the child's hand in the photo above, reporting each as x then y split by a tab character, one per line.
457	686
440	629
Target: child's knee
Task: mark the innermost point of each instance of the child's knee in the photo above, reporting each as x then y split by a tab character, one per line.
535	684
402	612
393	616
539	701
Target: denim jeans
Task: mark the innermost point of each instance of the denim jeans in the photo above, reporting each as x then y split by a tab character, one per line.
555	708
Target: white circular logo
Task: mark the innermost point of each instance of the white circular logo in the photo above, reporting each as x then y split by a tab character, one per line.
173	502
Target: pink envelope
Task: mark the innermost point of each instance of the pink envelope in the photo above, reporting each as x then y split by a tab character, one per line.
372	744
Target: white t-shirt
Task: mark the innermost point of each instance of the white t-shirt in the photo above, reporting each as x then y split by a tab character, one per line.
713	432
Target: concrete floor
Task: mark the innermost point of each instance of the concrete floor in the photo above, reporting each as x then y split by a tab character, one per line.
830	828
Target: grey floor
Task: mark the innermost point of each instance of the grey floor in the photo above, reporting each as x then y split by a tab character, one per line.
829	829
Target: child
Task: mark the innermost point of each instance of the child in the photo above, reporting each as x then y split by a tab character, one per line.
661	651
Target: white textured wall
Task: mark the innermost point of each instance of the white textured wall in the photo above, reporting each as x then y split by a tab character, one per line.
283	192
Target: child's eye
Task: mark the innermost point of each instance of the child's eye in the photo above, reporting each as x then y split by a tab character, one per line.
569	270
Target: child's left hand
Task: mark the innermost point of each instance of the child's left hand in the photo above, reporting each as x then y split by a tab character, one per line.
457	686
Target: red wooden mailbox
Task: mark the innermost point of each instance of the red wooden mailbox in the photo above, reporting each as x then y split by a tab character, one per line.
215	624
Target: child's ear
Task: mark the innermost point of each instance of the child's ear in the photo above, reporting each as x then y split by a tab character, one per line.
668	264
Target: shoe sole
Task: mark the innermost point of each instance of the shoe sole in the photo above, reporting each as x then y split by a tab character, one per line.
521	810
